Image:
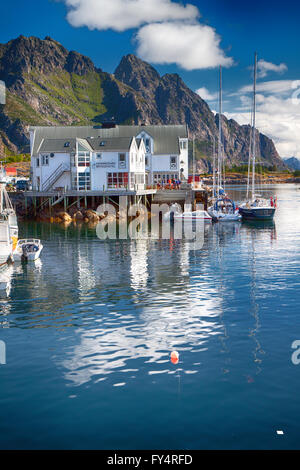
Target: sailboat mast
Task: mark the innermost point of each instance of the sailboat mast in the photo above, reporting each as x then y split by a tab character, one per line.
193	161
254	129
214	166
1	197
220	135
250	153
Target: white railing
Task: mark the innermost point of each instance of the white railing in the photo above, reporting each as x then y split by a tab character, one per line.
54	176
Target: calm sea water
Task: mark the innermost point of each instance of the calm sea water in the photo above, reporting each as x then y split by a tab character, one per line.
89	330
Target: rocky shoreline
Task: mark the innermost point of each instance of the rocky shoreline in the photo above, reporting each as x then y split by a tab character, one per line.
243	180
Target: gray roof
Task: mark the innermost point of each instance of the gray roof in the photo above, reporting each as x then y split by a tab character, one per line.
165	136
58	145
110	144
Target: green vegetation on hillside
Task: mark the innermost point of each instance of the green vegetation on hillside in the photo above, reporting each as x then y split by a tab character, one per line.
62	97
10	158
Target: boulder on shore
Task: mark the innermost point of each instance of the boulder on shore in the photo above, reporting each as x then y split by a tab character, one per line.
92	216
64	216
78	215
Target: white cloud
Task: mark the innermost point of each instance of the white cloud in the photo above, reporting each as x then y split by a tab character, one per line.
120	15
169	34
205	94
265	67
274	87
190	46
278	117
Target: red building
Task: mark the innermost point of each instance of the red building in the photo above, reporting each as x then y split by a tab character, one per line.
11	171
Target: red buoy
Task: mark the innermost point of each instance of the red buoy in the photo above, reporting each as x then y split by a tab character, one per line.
174	357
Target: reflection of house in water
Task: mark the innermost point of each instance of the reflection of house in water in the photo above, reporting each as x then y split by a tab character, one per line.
5	290
164	309
139	271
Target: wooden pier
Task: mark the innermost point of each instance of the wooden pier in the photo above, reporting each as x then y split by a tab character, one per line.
33	203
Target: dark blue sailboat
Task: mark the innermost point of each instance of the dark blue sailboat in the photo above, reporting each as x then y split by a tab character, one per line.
257	208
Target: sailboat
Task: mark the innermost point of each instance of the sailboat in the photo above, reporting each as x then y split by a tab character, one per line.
256	208
223	208
8	226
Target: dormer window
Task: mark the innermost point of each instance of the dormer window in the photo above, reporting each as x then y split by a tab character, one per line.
102	143
67	144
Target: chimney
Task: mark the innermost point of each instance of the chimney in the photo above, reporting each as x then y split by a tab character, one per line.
109	123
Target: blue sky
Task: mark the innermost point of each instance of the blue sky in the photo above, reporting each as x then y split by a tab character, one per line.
193	37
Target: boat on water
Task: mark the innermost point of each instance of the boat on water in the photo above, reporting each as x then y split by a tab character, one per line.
223	209
175	212
5	279
28	250
257	207
8	226
194	215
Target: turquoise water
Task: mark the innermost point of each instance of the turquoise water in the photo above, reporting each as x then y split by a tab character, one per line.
89	330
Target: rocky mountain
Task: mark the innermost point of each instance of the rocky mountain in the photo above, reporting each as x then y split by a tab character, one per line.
293	163
49	85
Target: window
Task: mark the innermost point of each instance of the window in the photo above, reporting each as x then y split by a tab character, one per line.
122	160
146	161
37	162
83	159
45	159
148	145
82	181
164	177
67	144
173	163
117	180
139	178
183	145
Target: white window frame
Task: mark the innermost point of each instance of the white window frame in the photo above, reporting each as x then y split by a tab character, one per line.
122	163
173	164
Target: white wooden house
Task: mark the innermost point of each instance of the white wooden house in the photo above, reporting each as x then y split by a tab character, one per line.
92	158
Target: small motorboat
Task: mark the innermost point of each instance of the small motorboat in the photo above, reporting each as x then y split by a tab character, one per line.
28	250
194	215
176	213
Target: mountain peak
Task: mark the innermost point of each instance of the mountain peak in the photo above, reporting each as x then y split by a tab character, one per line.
137	74
42	89
79	64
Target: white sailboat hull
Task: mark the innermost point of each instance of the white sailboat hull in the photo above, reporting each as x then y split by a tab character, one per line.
223	217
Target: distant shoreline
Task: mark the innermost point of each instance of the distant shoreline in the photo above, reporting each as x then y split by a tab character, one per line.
243	180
